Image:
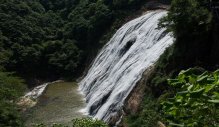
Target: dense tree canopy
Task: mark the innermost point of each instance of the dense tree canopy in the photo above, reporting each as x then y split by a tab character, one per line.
48	40
53	38
195	28
189	17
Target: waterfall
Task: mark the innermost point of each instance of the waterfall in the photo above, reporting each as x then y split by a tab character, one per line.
136	46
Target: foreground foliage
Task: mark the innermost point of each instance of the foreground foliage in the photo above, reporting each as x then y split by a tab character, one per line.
83	122
11	87
196	102
192	100
88	122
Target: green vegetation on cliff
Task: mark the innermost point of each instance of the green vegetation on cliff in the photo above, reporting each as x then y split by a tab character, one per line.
195	28
193	101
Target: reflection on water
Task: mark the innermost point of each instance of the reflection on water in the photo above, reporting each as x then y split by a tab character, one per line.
60	103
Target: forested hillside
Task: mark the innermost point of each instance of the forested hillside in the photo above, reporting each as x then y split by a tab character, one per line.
49	39
43	40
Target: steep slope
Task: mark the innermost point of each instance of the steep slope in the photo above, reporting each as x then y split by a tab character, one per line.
135	47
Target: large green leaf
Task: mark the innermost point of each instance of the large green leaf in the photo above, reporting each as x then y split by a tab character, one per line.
214	101
195	101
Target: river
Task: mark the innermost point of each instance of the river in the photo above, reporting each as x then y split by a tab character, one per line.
60	103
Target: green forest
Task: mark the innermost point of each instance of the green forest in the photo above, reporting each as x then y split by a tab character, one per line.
50	39
46	40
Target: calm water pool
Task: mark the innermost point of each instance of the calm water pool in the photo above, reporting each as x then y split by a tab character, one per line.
60	103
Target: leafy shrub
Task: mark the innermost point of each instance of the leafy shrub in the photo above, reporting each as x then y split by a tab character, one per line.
11	88
83	122
148	116
196	102
88	122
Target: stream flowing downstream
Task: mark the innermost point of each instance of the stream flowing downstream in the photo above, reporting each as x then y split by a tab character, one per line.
60	103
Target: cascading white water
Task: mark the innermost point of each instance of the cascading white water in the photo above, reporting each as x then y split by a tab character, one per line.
135	46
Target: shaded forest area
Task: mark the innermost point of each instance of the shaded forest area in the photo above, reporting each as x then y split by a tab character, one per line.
51	39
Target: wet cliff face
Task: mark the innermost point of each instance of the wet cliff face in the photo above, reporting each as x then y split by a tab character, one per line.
135	98
134	48
132	103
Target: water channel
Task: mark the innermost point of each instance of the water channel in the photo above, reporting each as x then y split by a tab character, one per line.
60	103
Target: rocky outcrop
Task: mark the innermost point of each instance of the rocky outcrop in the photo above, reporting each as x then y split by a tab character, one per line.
134	100
30	98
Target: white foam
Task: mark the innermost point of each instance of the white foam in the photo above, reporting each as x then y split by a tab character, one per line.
136	46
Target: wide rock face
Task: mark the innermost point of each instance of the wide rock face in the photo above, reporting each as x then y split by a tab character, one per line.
135	47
